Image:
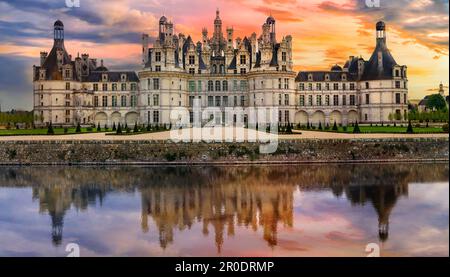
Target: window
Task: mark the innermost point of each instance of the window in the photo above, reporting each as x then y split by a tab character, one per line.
352	100
283	68
242	100
123	87
286	83
104	87
310	86
286	99
397	73
191	86
155	116
319	100
192	71
210	101
158	68
405	99
344	87
133	87
210	86
283	56
156	84
243	59
157	56
155	99
67	104
279	100
367	85
286	116
225	85
302	86
243	85
327	100
235	101
67	73
318	86
243	70
367	99
352	86
105	101
302	100
310	100
335	86
67	86
397	84
114	87
397	98
235	85
67	112
123	101
133	101
217	101
344	100
225	101
218	85
191	101
280	85
327	86
199	86
114	101
191	59
335	100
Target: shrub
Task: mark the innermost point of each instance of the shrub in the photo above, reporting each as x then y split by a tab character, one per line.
345	128
327	127
356	130
320	126
335	127
50	130
410	130
78	129
89	129
98	127
136	129
66	130
119	129
106	128
114	126
308	126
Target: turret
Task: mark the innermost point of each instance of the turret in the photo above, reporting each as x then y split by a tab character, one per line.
43	57
58	33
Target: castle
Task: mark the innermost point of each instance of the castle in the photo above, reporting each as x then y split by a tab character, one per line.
220	71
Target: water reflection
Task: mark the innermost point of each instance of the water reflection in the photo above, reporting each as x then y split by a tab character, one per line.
219	199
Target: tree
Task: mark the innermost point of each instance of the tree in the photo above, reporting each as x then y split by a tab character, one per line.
335	127
78	129
308	126
114	126
50	129
320	126
136	129
106	128
356	129
98	127
436	102
410	130
119	129
288	129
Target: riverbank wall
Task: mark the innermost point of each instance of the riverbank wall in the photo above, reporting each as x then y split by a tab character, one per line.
168	153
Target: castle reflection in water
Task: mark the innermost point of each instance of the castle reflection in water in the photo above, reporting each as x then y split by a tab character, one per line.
218	198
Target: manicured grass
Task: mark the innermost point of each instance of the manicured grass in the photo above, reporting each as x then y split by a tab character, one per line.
386	130
43	132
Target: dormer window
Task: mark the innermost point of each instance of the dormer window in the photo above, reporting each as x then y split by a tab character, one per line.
310	77
123	77
105	77
327	77
344	77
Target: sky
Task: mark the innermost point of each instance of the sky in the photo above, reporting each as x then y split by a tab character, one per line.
324	33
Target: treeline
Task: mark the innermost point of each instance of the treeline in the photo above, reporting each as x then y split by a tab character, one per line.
429	116
16	117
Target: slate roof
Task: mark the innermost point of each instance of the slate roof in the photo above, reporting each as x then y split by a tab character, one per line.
113	76
319	76
372	70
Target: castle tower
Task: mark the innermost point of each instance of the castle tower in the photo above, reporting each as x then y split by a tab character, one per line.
271	23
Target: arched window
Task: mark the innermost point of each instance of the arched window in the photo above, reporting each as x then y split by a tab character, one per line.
225	85
222	69
218	85
214	69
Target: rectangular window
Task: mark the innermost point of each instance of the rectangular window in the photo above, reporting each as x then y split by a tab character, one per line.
114	101
352	100
123	87
243	85
335	86
155	84
367	99
367	85
155	116
133	101
327	100
191	59
310	100
114	87
397	98
217	101
286	83
191	86
133	87
335	100
327	86
225	85
157	56
243	59
67	86
344	100
397	84
95	87
225	101
158	68
155	99
319	100
242	100
105	101
243	70
279	100
192	71
302	86
302	100
235	85
286	116
280	85
123	101
286	99
105	87
310	86
405	99
318	86
283	56
210	101
210	86
344	87
199	86
352	86
235	101
218	86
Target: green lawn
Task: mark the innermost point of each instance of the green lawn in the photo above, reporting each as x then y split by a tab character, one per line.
43	132
387	130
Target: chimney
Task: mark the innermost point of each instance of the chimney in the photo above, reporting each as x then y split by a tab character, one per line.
43	57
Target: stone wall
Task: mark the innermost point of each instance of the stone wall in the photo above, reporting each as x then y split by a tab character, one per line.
156	152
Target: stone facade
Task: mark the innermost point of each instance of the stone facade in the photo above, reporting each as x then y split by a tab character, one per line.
219	72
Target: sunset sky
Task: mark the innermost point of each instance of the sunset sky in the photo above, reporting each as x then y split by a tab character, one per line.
324	33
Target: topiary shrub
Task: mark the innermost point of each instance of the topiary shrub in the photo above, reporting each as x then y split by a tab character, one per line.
136	129
114	126
119	129
356	129
98	127
410	130
50	130
335	127
78	129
